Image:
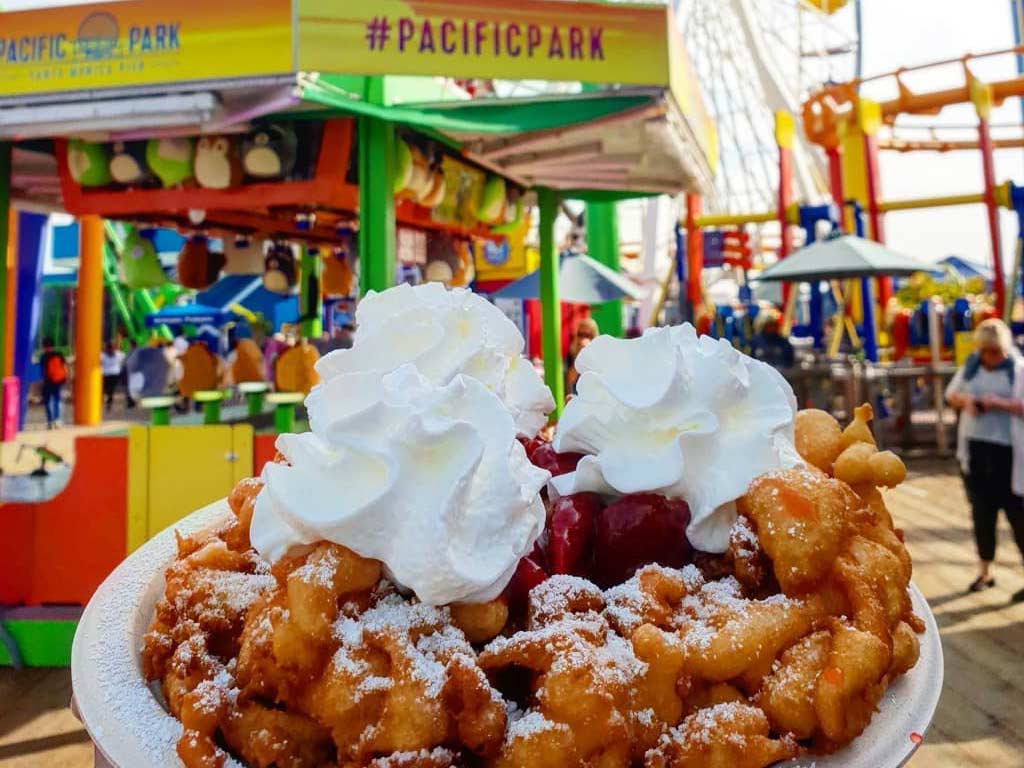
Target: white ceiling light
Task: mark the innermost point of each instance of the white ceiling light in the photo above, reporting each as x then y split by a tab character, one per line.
106	116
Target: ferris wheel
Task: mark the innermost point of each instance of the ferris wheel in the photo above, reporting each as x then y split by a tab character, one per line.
757	57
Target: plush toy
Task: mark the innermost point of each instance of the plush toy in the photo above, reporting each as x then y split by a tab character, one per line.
218	162
88	163
243	256
466	270
269	152
420	178
402	167
198	370
295	369
140	265
338	278
435	191
198	266
128	162
491	205
439	271
248	364
280	272
513	217
171	159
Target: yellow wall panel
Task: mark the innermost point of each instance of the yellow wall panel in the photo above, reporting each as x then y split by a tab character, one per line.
242	447
189	467
138	487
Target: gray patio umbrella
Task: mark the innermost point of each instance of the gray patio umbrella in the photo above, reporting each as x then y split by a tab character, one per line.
581	280
839	258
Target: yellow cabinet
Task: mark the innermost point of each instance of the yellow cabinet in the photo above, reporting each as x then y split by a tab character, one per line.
176	470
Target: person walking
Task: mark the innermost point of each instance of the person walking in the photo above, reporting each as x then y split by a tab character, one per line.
988	390
55	373
112	368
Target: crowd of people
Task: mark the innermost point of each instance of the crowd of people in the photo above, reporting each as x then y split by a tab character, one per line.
182	366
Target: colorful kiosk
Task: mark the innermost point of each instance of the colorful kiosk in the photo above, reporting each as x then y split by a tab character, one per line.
307	122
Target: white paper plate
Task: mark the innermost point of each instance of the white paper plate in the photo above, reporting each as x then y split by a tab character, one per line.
130	727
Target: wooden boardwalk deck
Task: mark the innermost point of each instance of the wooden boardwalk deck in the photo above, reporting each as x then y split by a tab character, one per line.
979	722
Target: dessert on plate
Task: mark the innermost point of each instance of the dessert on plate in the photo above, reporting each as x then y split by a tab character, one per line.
690	573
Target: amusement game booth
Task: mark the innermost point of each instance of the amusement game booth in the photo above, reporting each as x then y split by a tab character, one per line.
329	152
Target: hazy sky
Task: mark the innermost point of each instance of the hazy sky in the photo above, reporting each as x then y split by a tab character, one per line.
907	32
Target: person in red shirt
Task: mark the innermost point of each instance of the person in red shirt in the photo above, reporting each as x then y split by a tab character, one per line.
55	373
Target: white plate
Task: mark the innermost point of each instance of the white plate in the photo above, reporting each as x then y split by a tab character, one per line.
130	728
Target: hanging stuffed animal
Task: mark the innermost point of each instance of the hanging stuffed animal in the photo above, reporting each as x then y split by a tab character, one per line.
337	279
402	169
128	162
171	159
140	265
513	215
435	191
466	270
243	255
269	152
198	266
420	178
88	163
442	259
218	162
491	205
280	272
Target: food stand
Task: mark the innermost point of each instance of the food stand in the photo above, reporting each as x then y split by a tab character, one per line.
135	81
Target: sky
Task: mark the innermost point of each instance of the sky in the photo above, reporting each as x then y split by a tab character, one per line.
908	32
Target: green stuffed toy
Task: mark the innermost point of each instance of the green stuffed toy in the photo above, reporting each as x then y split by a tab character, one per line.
171	159
491	205
89	163
140	265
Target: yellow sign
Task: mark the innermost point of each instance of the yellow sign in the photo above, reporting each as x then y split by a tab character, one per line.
142	43
528	40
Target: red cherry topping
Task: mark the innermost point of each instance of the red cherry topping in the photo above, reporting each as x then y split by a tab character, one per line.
571	533
636	530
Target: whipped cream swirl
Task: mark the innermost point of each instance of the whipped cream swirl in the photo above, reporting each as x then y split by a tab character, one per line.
683	416
430	479
445	333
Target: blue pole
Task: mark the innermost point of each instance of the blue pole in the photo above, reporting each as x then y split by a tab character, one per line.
31	230
869	332
809	216
1017	14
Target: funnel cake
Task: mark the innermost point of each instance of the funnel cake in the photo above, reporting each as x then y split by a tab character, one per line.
781	645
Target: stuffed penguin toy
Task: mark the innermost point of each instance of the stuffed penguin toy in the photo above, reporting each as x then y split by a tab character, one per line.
171	159
88	163
218	162
198	266
269	152
280	271
128	162
140	265
243	255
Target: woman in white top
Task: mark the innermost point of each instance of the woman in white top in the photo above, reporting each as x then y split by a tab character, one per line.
111	366
989	393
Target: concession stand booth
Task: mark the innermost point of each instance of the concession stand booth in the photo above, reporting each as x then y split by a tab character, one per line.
330	148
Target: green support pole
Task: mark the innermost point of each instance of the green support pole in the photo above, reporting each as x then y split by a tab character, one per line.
5	203
551	307
376	145
603	246
311	300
